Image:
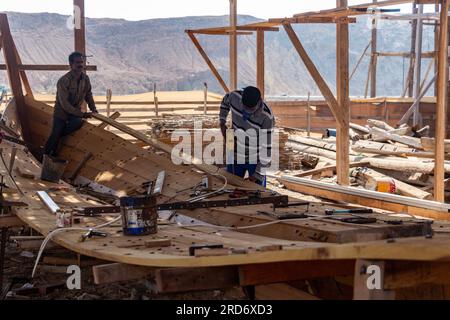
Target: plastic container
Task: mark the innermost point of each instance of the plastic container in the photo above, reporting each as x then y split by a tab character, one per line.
139	215
53	168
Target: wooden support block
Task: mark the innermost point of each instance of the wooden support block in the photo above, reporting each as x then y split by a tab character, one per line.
256	274
117	272
196	279
369	281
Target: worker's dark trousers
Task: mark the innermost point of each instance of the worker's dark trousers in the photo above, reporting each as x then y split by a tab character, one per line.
60	129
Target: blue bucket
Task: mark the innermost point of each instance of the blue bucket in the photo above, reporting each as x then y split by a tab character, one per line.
139	215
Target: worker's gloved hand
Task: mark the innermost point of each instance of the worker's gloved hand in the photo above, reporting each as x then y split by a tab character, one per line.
87	115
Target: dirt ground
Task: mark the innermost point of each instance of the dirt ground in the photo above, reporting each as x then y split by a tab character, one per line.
19	265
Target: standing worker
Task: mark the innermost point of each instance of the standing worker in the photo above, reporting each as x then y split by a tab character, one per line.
250	114
72	90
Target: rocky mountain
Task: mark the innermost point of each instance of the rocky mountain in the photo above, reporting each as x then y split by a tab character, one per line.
133	55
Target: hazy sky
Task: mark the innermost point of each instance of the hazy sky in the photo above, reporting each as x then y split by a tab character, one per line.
148	9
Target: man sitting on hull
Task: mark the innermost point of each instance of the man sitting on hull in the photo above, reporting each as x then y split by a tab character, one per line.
72	90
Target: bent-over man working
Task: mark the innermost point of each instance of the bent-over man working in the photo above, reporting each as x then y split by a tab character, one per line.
250	117
72	90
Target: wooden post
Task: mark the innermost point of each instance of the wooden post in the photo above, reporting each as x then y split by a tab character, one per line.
343	98
412	61
418	65
205	98
441	105
233	45
308	115
208	61
436	47
80	26
14	75
108	104
155	100
260	66
373	59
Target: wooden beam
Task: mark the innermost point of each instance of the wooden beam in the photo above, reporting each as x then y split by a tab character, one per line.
80	26
117	272
14	75
256	274
372	199
441	105
196	279
233	45
46	67
343	97
260	63
317	77
208	61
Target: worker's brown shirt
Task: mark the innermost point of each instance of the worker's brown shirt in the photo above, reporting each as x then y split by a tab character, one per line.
71	92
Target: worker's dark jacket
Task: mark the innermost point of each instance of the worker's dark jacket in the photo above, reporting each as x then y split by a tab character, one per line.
70	95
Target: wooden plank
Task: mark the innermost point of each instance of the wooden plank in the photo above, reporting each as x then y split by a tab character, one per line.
343	93
233	46
260	62
196	279
14	75
323	87
117	272
290	271
208	62
441	105
114	116
371	199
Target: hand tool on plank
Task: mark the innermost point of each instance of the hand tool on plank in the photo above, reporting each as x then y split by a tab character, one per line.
330	212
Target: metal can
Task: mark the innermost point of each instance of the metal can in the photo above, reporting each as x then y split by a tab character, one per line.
139	215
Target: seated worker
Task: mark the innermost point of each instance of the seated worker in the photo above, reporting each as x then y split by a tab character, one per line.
248	112
72	90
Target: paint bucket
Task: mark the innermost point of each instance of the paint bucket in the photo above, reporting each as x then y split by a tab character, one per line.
386	185
139	215
53	168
